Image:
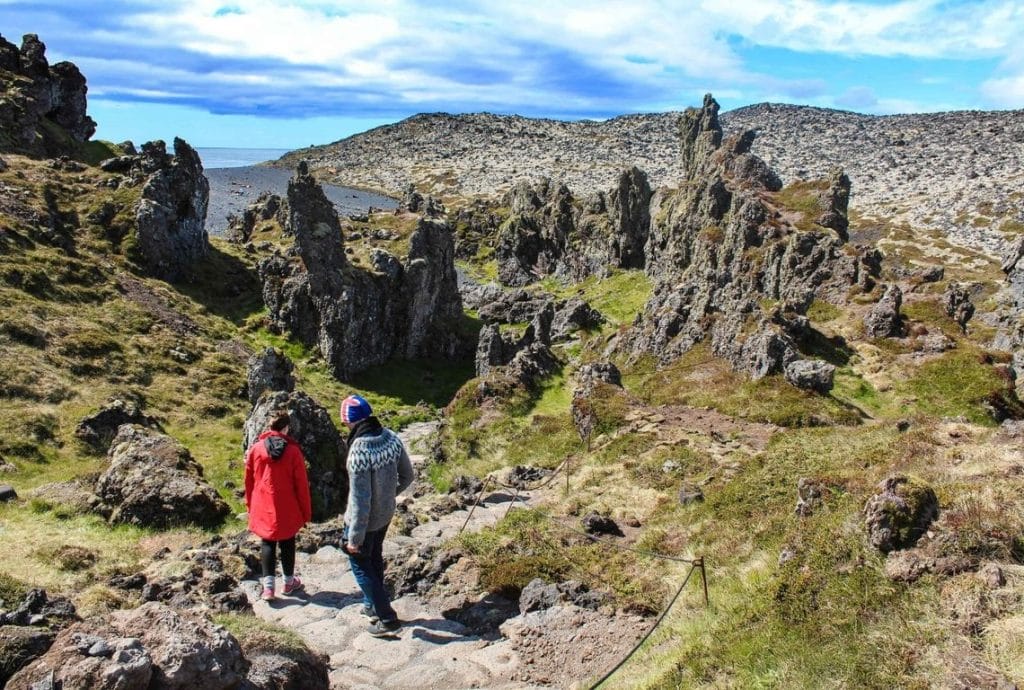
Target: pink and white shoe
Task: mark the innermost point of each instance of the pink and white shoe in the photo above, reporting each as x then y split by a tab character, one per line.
295	586
268	594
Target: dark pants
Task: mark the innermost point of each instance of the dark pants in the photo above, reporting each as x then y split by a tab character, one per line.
268	557
368	569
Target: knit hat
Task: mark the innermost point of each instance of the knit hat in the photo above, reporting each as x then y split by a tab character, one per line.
354	409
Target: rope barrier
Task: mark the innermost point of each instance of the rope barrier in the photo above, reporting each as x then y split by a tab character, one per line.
694	563
650	632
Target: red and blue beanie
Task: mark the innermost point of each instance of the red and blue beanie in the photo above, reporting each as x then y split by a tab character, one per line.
354	409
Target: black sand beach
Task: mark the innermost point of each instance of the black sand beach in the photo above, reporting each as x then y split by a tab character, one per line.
232	189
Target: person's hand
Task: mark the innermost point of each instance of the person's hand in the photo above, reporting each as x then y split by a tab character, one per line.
352	548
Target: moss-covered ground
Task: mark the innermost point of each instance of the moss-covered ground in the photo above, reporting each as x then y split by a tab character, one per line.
800	602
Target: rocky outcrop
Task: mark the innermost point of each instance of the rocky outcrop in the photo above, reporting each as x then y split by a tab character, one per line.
538	595
357	317
1008	318
730	264
171	217
204	578
99	429
152	481
43	111
275	668
267	207
269	371
19	645
150	647
589	378
550	233
897	516
526	358
884	319
321	444
957	302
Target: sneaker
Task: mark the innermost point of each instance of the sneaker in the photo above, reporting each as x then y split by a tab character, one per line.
368	611
295	586
268	594
384	628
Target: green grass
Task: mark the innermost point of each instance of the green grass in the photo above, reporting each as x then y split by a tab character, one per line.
529	544
699	380
825	614
619	297
957	384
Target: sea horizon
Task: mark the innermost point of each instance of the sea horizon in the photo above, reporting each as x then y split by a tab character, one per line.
230	157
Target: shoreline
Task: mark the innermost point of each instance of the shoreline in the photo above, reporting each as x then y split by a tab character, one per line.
234	189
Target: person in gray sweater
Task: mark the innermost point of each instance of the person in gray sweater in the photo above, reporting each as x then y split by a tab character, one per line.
378	470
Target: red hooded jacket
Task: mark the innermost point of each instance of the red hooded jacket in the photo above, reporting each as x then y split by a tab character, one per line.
276	488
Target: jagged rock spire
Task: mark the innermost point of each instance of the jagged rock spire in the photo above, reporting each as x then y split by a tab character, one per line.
701	134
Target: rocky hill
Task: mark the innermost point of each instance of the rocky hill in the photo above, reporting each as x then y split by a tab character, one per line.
700	372
958	174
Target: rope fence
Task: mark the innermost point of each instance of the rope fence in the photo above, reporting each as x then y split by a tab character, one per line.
696	564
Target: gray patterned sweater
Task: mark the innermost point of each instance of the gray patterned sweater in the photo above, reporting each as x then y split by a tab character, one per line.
378	470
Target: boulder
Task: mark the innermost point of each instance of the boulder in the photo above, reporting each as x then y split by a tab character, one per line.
523	476
152	481
7	493
290	668
574	315
550	233
811	374
595	523
99	429
151	647
690	493
809	496
267	207
538	595
320	441
269	371
957	302
37	608
833	203
901	511
602	371
884	319
171	216
19	645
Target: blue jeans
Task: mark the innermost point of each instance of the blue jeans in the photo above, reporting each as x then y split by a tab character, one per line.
368	569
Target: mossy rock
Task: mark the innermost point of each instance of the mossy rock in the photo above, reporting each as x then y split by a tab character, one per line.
897	516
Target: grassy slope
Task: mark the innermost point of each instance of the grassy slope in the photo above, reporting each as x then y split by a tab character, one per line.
829	616
71	336
79	329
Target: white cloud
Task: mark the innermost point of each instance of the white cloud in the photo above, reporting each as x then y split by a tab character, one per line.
588	56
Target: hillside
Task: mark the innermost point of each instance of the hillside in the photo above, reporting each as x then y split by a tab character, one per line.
704	375
956	174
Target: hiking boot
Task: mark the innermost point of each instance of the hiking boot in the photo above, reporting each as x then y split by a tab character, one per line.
295	586
368	611
268	594
384	628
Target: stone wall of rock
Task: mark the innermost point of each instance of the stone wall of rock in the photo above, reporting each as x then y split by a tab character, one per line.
171	216
727	264
38	96
550	232
359	317
152	646
321	444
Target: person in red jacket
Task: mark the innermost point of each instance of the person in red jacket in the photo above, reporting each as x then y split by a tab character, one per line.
277	496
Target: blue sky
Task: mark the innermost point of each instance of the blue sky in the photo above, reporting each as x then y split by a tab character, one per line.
276	73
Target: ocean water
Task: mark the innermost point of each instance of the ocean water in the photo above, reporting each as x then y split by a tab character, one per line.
214	157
